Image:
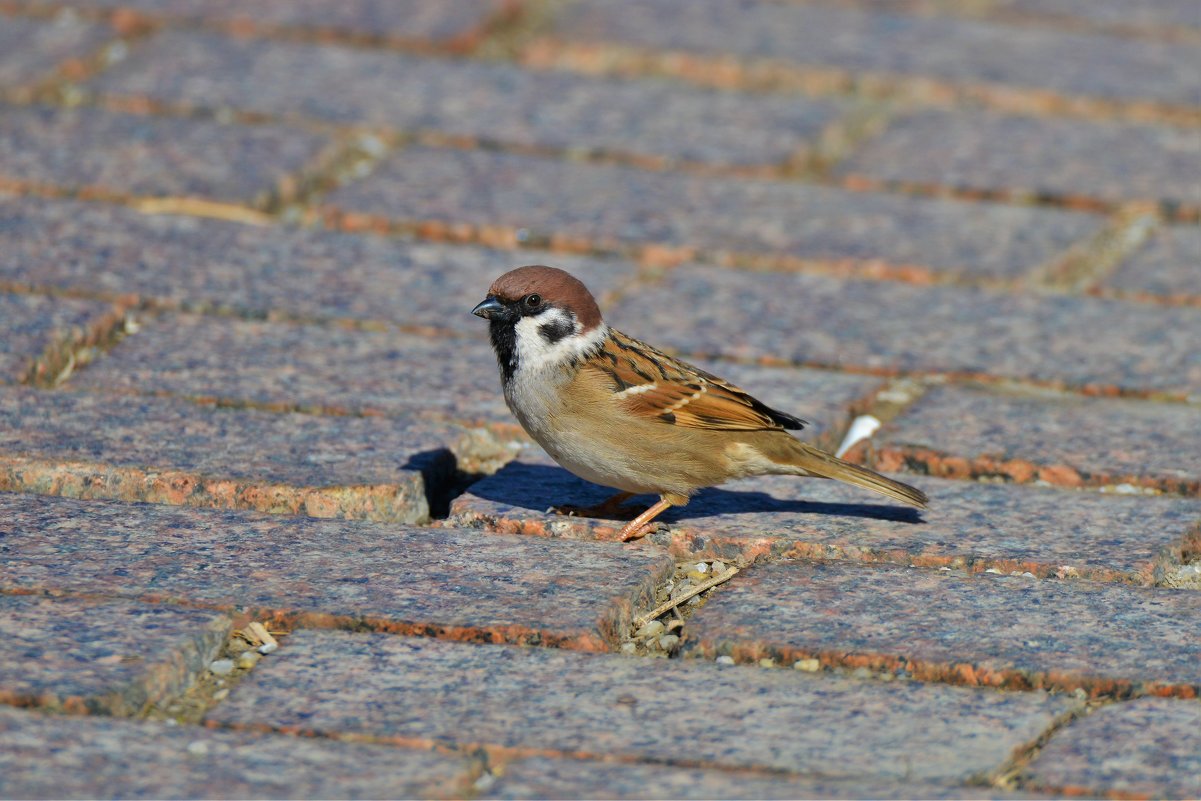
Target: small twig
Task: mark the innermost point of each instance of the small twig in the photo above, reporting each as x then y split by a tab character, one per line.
674	602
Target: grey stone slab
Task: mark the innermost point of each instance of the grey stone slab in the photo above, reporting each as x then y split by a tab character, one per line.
308	367
92	151
943	47
1036	156
260	271
1001	631
430	582
54	756
31	50
888	326
494	102
1066	440
105	657
969	525
619	207
1167	267
1147	748
414	691
1167	14
172	451
32	327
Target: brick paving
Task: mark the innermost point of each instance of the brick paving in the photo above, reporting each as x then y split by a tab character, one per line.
239	381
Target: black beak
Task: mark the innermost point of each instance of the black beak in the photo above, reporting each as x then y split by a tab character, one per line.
488	307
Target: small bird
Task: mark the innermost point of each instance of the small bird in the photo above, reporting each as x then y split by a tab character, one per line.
619	413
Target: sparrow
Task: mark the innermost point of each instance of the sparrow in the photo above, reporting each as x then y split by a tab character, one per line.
619	413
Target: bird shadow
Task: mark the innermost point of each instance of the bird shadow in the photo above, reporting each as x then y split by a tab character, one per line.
537	487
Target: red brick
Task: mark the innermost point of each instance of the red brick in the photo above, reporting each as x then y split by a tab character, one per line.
953	50
891	327
171	451
1066	440
1011	632
540	701
272	271
304	572
1147	748
596	206
1034	157
968	526
101	153
481	101
52	756
102	657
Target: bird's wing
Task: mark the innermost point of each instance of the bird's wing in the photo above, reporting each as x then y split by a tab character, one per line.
651	384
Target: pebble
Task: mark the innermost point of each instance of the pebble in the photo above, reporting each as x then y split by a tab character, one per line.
767	663
198	748
651	629
861	673
268	647
807	665
718	568
725	660
222	667
248	659
629	648
221	695
668	641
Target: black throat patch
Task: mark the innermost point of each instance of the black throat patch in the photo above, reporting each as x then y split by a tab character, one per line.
504	343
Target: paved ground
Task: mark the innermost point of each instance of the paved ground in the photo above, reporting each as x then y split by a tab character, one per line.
239	384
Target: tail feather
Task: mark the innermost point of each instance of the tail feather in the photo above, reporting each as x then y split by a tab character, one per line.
821	464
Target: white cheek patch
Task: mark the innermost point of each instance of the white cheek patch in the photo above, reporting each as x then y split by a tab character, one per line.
535	352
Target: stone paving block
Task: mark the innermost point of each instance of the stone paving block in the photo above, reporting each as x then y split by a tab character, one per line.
313	368
457	24
1036	156
300	571
102	657
92	151
541	702
857	40
605	206
494	102
34	327
1015	632
261	271
1166	14
53	756
1066	440
1166	267
1147	748
31	50
894	327
543	777
173	451
969	525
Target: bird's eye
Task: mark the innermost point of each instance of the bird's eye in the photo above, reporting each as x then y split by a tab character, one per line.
533	301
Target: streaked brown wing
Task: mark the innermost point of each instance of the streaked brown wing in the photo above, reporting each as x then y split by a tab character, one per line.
654	385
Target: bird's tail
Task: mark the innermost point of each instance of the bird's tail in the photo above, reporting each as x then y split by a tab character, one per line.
821	464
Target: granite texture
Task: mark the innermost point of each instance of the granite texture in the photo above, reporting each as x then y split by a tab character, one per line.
1164	14
1037	157
95	152
857	40
544	701
455	584
172	451
32	50
969	525
285	366
1147	748
51	756
101	657
36	327
1015	632
888	326
542	777
457	24
487	101
261	271
616	207
1165	268
1066	440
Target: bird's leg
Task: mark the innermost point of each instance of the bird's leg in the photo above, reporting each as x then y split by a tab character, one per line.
611	508
641	525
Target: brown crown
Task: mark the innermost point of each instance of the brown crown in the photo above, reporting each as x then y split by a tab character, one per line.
556	286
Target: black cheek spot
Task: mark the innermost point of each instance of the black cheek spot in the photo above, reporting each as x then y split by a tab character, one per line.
556	330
